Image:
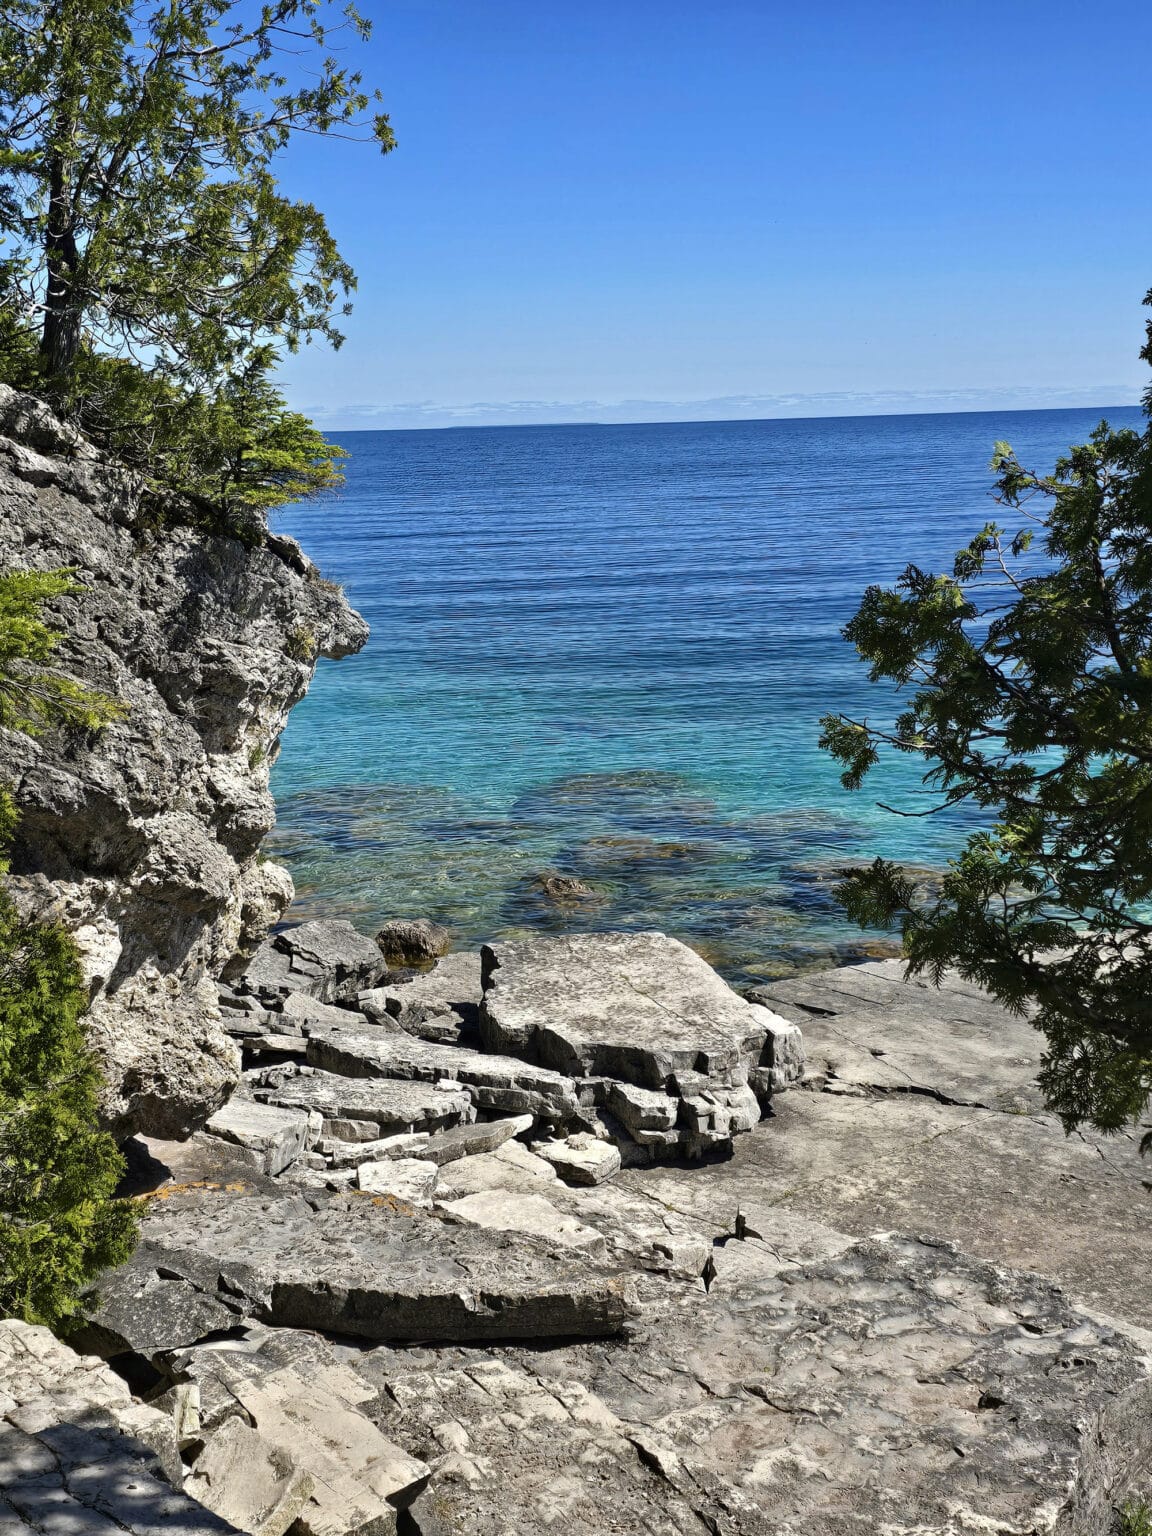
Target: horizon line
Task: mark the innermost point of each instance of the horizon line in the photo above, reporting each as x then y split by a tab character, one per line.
720	421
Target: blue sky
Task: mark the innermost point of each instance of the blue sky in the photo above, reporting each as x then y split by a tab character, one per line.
646	210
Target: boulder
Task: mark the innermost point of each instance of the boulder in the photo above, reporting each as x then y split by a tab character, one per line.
328	959
413	941
580	1159
278	1136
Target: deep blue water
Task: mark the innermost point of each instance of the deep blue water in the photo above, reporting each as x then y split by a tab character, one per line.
604	651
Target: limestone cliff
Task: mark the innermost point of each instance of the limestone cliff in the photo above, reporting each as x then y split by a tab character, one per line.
145	837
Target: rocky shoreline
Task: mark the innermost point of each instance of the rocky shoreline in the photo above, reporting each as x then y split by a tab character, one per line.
553	1234
411	1278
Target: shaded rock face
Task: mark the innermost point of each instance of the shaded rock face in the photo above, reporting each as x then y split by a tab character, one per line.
144	838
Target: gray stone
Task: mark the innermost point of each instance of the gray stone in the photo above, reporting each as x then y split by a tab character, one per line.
499	1083
473	1140
77	1455
144	838
351	1155
580	1159
441	1005
409	1180
498	1210
277	1135
327	959
244	1478
867	1027
137	1309
362	1266
392	1105
634	1006
413	941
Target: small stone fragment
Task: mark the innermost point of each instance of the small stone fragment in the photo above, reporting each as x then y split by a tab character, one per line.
407	1179
244	1479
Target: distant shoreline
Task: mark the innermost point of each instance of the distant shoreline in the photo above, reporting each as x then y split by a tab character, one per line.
725	421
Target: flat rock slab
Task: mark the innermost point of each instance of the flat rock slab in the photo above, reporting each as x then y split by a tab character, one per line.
499	1210
409	1180
867	1027
499	1083
78	1455
640	1007
278	1136
391	1105
368	1266
580	1159
894	1388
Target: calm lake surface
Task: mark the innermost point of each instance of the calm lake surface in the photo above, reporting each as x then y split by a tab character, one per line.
604	651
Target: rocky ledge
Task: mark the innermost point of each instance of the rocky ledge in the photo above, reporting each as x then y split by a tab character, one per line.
145	839
415	1277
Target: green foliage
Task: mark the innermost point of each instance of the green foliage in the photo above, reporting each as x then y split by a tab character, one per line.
58	1224
136	193
149	266
217	458
1027	683
1136	1519
33	696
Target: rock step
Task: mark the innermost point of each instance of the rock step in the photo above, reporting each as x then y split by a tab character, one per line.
370	1266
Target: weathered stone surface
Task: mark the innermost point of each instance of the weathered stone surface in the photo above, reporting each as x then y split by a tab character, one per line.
498	1210
278	1136
367	1266
77	1455
473	1140
512	1167
866	1027
299	1009
642	1011
410	1180
391	1104
413	941
143	838
326	959
257	1485
634	1006
309	1408
499	1083
580	1159
441	1005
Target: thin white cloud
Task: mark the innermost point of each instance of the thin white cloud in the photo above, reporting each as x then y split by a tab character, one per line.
487	413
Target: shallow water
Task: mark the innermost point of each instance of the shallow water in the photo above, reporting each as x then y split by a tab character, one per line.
604	651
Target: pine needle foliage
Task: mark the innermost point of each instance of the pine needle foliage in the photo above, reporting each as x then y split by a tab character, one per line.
151	267
59	1225
32	694
1026	677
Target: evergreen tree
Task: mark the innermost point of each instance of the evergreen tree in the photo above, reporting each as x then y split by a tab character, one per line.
1028	680
58	1222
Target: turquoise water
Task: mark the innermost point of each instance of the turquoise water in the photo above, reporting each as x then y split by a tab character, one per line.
604	651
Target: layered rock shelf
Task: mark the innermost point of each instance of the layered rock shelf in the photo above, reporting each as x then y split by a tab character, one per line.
402	1284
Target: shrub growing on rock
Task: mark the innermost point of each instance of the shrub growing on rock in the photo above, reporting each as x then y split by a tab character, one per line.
1028	678
58	1223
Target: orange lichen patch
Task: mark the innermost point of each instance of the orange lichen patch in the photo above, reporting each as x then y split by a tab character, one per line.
183	1189
388	1202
